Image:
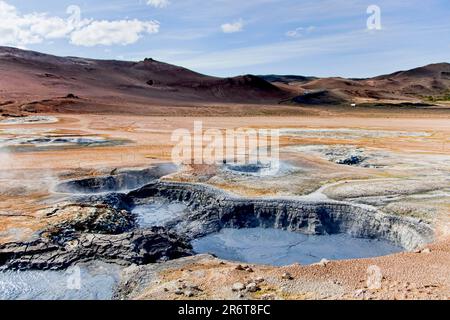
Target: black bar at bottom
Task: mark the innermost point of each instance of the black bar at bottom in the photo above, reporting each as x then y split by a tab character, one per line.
215	309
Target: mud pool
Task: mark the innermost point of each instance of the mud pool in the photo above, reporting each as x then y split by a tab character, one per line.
279	247
348	134
93	281
270	167
43	143
158	213
29	120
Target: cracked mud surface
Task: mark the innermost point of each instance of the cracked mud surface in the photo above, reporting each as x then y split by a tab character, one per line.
281	248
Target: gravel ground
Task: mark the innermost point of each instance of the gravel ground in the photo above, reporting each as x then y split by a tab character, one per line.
418	275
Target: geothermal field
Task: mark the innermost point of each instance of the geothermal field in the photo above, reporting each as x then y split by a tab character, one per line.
93	205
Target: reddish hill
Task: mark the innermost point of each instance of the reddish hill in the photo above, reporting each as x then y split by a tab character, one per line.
430	80
413	85
27	75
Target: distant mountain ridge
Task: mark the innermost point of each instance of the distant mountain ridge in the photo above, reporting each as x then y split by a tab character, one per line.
418	84
28	76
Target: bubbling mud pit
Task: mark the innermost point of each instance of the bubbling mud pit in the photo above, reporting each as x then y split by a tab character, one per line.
159	220
55	142
258	169
29	120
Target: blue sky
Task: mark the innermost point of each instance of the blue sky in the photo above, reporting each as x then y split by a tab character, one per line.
231	37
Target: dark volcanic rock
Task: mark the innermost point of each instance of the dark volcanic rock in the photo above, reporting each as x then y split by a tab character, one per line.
72	96
351	160
91	218
82	232
60	250
320	97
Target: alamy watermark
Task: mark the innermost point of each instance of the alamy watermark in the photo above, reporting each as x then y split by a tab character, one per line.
374	20
74	19
374	277
73	278
241	146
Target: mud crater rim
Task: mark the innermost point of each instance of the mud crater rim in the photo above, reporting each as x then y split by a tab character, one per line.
209	210
108	229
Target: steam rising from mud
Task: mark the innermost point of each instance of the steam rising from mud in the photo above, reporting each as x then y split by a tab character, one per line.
15	180
6	162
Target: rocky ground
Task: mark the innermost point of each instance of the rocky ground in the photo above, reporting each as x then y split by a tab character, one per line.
403	174
205	277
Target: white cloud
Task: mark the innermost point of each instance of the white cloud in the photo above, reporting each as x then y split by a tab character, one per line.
233	27
357	48
14	29
20	30
49	27
158	3
109	33
275	52
299	32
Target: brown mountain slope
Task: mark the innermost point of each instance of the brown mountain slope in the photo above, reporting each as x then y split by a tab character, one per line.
27	75
35	82
413	85
433	79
